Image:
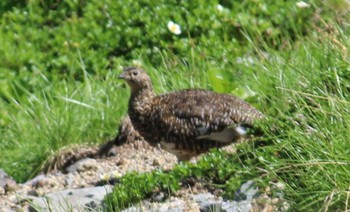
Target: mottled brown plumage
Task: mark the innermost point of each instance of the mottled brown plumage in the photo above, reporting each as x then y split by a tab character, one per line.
188	122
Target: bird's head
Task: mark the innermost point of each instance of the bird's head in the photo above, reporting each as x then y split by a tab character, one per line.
136	78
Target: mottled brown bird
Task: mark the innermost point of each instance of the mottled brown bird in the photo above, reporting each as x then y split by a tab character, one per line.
187	122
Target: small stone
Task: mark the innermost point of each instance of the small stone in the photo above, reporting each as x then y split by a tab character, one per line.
285	206
174	205
33	192
280	185
11	185
217	192
3	175
7	182
159	197
242	206
38	181
207	202
246	192
83	165
41	183
13	198
2	191
120	162
156	162
274	201
69	179
112	152
23	208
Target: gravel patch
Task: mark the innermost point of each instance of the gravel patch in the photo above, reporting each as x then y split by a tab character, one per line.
84	173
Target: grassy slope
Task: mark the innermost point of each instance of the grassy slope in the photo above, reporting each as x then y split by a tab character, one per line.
58	86
305	94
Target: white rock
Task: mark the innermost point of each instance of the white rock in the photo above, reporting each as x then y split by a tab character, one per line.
72	199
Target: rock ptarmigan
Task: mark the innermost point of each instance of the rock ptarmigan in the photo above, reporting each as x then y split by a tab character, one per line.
187	122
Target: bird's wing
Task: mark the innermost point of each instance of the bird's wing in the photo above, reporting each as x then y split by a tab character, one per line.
202	114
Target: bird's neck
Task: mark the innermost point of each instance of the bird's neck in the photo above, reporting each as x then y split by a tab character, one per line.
141	99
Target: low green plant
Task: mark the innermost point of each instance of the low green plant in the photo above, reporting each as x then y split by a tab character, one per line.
135	187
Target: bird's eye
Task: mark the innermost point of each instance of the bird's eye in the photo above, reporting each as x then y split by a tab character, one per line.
135	73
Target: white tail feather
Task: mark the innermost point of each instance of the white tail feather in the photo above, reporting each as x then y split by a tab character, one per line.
227	135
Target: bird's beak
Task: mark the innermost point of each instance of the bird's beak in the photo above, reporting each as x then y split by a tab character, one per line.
121	76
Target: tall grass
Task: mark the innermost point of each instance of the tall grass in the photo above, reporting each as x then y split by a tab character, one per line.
309	109
66	112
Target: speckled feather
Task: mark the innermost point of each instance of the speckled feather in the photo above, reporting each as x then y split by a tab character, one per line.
186	122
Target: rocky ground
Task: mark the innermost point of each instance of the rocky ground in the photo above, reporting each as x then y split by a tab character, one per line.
73	182
84	173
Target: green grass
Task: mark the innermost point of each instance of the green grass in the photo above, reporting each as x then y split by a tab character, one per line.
58	86
62	114
305	94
